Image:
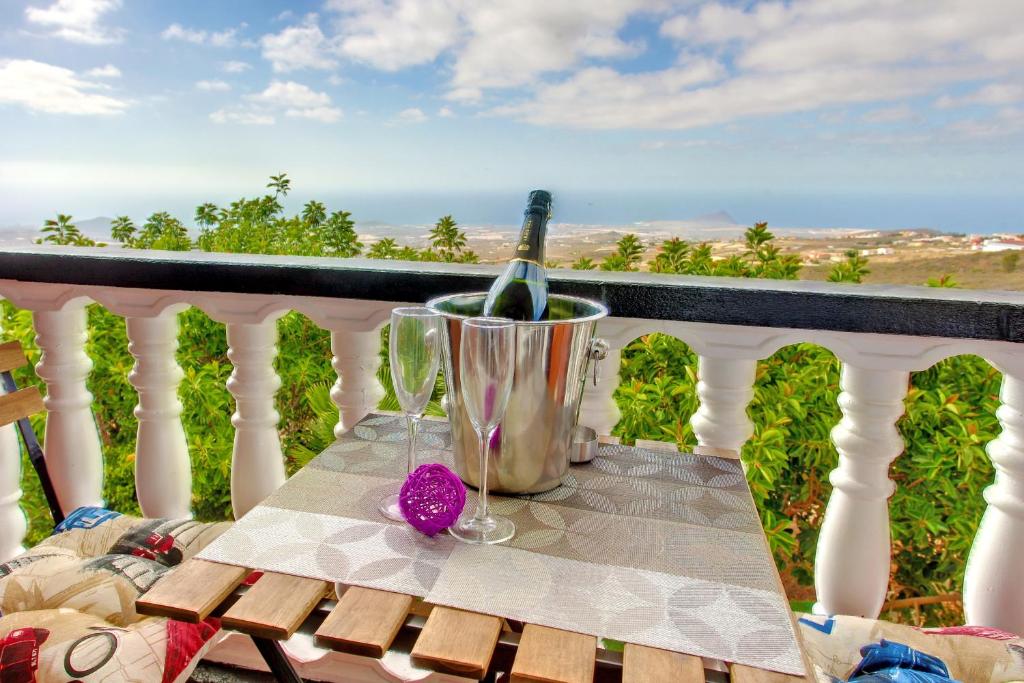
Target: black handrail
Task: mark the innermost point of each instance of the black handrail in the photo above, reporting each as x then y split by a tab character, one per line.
803	304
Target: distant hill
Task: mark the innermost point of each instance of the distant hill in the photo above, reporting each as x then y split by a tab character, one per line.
715	219
97	228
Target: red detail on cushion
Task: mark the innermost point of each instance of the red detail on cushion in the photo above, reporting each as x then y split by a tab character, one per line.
252	578
183	642
977	631
19	654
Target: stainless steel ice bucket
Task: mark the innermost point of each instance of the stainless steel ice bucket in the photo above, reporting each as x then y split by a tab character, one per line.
532	454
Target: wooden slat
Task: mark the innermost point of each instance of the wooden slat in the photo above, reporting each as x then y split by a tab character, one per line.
191	591
739	673
641	664
609	439
12	356
716	452
275	606
364	622
549	655
457	642
21	403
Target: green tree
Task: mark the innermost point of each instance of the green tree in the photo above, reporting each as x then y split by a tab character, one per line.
386	248
162	231
338	234
763	257
314	213
630	249
447	240
122	229
63	231
281	184
583	263
672	257
853	269
207	214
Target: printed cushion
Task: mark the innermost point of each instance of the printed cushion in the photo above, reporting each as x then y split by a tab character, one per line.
971	654
67	606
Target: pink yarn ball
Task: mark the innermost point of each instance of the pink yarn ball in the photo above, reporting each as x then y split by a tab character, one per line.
432	498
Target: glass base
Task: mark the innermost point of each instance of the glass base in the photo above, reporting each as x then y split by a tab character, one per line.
489	530
389	508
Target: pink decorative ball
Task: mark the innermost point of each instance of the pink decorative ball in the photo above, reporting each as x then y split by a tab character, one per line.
432	498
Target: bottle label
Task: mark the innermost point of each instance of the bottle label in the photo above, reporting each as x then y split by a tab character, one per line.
526	238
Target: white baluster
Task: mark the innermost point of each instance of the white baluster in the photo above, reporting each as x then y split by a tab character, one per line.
356	361
725	388
13	524
851	568
993	586
257	464
163	471
72	444
598	409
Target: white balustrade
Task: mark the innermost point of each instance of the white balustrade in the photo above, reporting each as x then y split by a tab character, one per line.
993	585
851	569
72	444
356	362
257	463
163	470
725	387
13	524
853	554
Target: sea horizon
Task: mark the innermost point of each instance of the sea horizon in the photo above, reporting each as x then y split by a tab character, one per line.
972	214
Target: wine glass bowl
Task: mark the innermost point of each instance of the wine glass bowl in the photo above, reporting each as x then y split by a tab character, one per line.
486	368
414	348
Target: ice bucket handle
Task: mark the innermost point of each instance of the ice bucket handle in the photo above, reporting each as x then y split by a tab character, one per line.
598	352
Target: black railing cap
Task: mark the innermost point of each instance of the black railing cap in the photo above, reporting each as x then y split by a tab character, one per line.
803	304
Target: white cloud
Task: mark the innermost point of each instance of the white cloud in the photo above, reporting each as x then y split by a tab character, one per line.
291	94
213	86
901	112
52	89
295	100
225	38
234	66
445	112
243	116
796	56
398	33
409	116
298	47
322	114
1007	121
108	71
78	21
990	95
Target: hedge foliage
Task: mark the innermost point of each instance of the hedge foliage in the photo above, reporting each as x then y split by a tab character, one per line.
950	407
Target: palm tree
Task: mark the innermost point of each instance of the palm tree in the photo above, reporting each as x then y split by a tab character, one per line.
207	214
314	213
630	249
447	239
583	263
280	184
387	248
122	230
672	256
62	231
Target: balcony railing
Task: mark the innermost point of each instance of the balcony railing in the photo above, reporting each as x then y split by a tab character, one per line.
880	334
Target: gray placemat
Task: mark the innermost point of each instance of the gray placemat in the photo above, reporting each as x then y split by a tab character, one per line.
643	546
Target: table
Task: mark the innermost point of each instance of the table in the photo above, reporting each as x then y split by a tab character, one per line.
367	621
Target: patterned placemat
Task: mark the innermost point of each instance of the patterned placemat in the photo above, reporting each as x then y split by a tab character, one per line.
654	548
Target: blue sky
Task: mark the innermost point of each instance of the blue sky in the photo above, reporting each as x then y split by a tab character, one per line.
845	112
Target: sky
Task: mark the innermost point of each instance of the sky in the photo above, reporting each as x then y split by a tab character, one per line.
849	113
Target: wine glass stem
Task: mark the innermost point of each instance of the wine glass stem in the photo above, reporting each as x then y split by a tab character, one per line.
413	423
481	505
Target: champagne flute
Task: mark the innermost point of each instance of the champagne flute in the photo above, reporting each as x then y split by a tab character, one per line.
414	348
486	366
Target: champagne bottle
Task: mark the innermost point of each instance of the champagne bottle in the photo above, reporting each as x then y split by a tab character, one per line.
521	291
